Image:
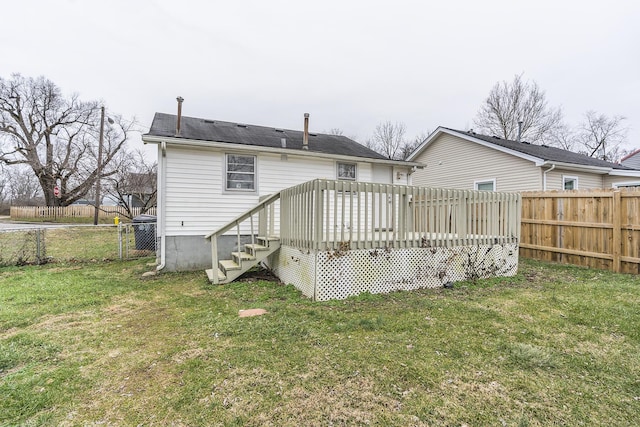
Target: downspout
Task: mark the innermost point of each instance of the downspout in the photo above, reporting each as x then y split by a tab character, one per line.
161	204
544	177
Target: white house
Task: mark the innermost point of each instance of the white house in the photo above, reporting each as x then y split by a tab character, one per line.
471	161
211	171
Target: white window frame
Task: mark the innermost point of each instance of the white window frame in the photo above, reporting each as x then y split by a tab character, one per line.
566	178
355	170
625	184
479	182
226	174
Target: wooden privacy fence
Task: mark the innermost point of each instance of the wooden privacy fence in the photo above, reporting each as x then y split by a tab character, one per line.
73	211
598	228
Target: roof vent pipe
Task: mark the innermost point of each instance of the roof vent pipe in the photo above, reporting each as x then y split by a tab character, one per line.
283	142
305	137
180	100
519	130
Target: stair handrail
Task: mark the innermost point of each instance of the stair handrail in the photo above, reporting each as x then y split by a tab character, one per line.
213	237
270	199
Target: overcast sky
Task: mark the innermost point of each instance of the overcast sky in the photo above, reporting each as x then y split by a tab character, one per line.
350	64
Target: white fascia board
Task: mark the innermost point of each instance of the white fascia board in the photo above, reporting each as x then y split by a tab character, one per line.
619	172
256	148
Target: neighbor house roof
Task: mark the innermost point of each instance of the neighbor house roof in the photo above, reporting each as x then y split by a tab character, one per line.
540	154
191	128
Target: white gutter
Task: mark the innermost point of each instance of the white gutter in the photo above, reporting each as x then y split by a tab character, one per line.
622	172
161	204
544	177
278	150
602	170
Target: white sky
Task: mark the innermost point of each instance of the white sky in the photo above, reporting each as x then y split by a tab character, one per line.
350	64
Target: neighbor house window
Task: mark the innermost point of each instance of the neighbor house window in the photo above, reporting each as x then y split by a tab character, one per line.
569	182
347	171
628	184
241	173
485	185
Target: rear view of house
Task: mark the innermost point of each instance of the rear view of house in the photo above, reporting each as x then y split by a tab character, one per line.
211	171
327	214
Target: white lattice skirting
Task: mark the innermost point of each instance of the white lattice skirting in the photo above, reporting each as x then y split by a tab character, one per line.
325	275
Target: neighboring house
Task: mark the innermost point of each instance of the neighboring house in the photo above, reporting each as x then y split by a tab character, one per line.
631	160
211	171
467	160
138	190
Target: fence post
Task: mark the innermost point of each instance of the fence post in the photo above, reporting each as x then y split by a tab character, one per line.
617	230
120	240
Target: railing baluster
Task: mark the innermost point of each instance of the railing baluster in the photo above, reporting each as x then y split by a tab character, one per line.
214	260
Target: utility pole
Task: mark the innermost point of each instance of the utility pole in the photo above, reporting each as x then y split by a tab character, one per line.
99	168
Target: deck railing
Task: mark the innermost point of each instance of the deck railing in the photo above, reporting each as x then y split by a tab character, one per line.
339	215
343	215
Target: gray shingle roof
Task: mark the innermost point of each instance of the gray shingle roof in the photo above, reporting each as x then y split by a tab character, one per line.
544	152
261	136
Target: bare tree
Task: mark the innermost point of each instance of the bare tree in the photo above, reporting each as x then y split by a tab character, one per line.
518	101
388	139
134	184
565	138
56	137
336	131
601	136
22	187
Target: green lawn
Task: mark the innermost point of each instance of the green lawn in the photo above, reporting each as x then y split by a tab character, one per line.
96	344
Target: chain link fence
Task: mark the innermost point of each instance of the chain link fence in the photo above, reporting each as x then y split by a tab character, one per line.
137	240
22	247
77	244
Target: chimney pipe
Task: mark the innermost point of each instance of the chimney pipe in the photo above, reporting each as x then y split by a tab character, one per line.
283	142
519	130
305	137
179	99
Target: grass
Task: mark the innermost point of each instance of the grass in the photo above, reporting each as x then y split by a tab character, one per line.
71	220
68	244
82	243
85	344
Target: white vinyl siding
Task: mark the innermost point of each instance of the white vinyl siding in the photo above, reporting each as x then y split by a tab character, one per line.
197	202
586	181
610	181
454	162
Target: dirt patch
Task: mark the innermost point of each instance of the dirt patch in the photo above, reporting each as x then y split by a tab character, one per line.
257	275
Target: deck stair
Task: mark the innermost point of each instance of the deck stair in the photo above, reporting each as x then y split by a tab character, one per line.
241	262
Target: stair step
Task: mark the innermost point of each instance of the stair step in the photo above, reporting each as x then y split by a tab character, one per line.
228	265
221	276
268	239
242	256
255	247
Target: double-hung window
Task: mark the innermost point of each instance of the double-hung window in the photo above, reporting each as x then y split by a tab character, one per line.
240	173
346	171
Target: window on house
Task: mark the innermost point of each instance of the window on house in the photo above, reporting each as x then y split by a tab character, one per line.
629	184
241	173
485	185
346	171
569	182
